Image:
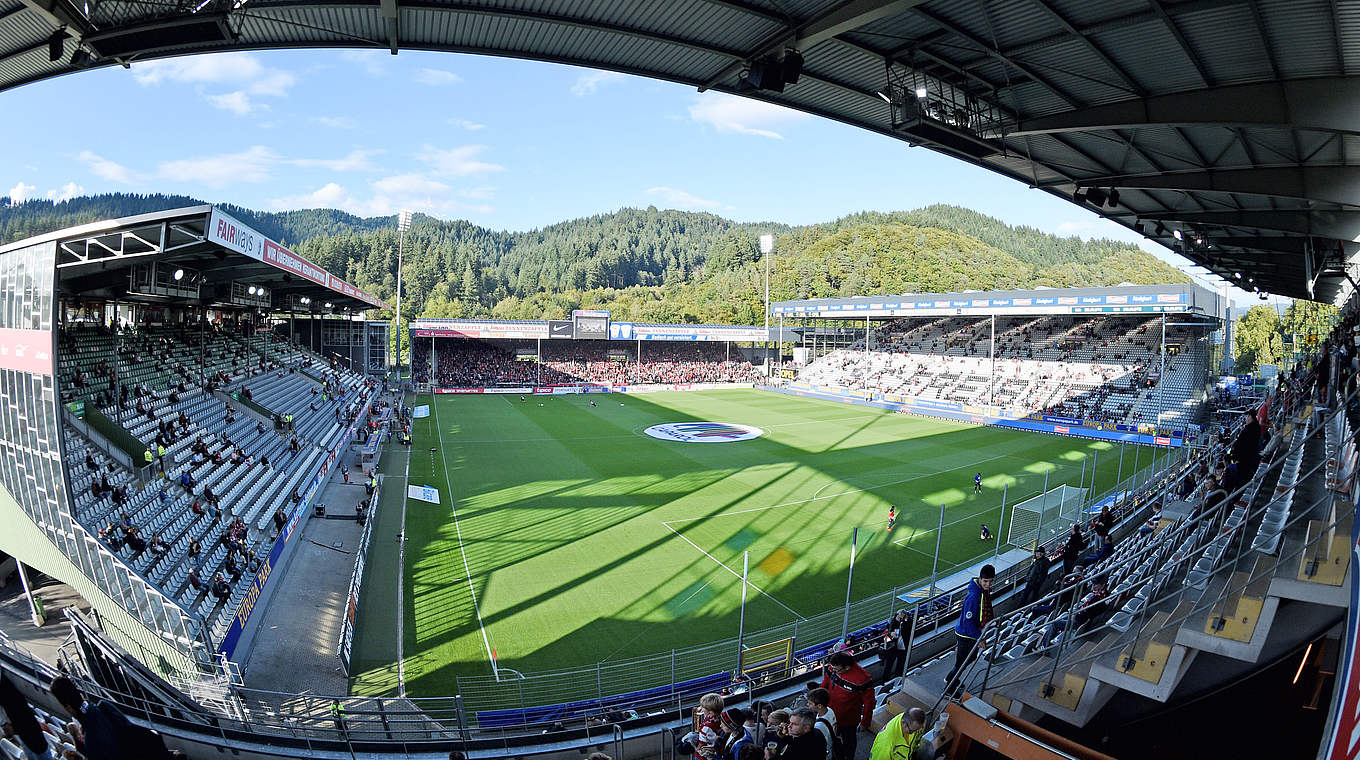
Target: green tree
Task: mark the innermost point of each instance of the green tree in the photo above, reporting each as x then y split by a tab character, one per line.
1309	317
1257	338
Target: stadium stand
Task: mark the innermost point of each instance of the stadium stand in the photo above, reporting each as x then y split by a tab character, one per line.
476	363
1105	369
206	512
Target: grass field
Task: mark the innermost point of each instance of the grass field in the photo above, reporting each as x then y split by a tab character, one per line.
566	536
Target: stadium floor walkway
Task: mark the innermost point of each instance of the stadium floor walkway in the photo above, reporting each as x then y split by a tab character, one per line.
295	648
18	625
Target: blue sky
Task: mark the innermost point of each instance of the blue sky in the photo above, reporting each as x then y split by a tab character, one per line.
507	144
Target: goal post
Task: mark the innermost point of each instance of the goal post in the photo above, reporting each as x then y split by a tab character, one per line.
1045	516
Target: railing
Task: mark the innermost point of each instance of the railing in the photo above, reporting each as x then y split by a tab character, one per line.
976	676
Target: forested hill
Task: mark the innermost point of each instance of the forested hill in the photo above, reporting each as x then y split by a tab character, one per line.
654	265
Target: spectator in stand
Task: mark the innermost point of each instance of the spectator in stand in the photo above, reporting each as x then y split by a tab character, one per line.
851	691
903	738
21	724
819	700
976	612
895	646
107	734
1094	605
1246	451
1036	577
710	719
1076	544
804	741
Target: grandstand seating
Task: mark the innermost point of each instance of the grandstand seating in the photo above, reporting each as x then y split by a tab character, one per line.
219	445
1105	369
472	363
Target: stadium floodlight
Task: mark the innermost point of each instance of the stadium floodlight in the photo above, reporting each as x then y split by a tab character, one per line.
403	224
920	92
1177	234
886	99
328	304
251	290
179	274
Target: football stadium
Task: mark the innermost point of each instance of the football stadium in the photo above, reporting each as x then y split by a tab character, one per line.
250	508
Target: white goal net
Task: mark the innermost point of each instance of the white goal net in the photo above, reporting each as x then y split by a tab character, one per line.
1045	516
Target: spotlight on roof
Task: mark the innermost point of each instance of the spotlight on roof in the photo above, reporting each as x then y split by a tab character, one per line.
920	92
328	304
1112	198
179	274
1096	196
886	99
1177	234
56	45
251	290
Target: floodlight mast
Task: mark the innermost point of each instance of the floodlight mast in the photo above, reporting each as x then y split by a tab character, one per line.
403	224
767	248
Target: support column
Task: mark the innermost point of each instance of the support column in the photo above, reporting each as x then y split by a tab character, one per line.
991	380
28	594
1161	380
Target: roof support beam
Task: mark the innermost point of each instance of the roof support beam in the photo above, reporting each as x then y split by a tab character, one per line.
61	14
1338	185
391	15
1326	104
973	40
844	17
1286	245
1337	225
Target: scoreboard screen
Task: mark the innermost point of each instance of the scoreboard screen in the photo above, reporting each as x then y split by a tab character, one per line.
591	328
590	324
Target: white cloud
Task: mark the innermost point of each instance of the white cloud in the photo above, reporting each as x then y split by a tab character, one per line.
457	162
337	122
409	184
66	192
354	161
252	165
21	192
437	77
729	113
389	194
237	102
109	170
373	62
243	72
329	195
681	199
589	82
470	126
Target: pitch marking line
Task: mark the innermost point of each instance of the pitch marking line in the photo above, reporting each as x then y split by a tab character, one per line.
401	581
817	497
448	486
762	591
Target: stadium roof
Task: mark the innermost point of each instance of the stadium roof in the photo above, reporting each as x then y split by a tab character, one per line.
218	259
1124	299
1226	128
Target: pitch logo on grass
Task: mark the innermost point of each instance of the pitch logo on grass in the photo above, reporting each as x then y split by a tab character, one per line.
703	432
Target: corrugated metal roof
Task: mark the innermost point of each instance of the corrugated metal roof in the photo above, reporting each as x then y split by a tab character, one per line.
1071	74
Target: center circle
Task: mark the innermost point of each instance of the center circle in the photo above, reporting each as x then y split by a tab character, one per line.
704	432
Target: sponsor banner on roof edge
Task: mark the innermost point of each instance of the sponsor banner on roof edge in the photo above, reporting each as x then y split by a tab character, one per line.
229	232
704	432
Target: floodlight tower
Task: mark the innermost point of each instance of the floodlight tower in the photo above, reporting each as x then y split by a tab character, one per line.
403	224
767	248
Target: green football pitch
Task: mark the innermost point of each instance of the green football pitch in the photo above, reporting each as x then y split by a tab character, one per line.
566	536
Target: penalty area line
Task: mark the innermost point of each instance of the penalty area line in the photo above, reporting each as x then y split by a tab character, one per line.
760	590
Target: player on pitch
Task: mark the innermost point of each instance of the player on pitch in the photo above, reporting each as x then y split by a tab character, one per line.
892	516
